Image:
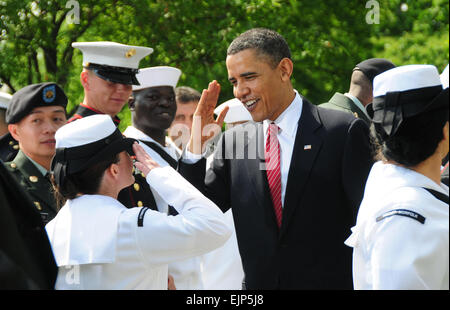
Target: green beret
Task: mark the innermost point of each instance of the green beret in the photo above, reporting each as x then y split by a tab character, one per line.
34	96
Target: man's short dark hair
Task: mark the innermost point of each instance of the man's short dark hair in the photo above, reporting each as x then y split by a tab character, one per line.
265	42
416	139
185	94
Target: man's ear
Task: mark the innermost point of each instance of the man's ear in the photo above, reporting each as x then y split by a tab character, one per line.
286	67
84	75
12	128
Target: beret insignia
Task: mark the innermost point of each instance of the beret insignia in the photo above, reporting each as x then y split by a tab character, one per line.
49	94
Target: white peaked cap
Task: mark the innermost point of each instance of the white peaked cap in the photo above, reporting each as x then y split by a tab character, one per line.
157	76
85	130
444	77
112	53
236	113
4	100
405	78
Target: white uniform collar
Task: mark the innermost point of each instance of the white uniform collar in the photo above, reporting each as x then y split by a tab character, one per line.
395	176
85	230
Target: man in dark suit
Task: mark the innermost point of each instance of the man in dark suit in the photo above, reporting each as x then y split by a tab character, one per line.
360	93
294	180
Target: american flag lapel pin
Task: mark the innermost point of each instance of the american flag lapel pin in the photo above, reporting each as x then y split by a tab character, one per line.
307	147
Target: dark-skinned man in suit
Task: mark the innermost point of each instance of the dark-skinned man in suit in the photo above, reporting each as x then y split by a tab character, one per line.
294	199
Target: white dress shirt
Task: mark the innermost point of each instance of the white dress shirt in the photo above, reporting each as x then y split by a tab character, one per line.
288	124
398	251
99	244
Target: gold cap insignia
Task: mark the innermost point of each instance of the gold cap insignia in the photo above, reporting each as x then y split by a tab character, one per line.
131	52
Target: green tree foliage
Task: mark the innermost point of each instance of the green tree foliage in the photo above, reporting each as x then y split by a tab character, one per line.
413	32
327	38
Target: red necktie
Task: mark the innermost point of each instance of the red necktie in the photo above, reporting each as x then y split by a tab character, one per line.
272	156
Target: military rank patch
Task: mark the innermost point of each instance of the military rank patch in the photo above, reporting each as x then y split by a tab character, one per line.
402	212
49	94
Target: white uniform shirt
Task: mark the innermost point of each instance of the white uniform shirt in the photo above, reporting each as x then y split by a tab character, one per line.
98	244
398	251
186	273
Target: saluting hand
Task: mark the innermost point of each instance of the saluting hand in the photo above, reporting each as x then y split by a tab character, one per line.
204	126
144	162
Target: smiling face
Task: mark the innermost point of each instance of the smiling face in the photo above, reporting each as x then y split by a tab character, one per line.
263	89
36	132
154	108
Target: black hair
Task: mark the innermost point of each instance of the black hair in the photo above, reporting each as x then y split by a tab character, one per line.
86	181
416	139
265	42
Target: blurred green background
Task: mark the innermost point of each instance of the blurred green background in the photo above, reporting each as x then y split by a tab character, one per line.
327	38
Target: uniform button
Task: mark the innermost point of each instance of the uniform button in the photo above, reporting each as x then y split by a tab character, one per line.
139	203
11	142
38	205
136	187
16	147
13	165
142	174
33	178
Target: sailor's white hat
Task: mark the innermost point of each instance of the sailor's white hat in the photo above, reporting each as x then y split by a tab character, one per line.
236	113
157	76
4	100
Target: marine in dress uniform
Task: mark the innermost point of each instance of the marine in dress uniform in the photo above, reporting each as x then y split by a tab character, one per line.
115	65
401	237
110	246
23	115
360	92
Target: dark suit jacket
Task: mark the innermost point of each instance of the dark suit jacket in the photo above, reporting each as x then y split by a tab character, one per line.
324	189
343	103
26	257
